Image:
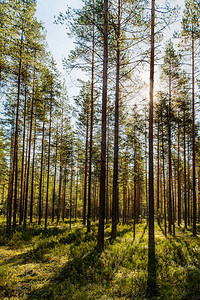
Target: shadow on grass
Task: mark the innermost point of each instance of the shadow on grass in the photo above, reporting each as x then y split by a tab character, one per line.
143	233
38	252
72	281
22	235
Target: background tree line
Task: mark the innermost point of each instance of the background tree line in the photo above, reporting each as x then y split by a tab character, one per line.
57	156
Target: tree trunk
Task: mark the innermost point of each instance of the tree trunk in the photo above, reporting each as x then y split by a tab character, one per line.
15	204
151	282
61	171
64	195
169	163
14	168
86	170
179	178
54	183
29	150
193	148
71	190
135	191
158	169
199	194
41	174
107	178
100	245
32	179
188	182
48	163
22	167
164	189
185	182
115	203
76	199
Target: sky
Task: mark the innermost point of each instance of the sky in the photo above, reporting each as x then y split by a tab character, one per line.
57	39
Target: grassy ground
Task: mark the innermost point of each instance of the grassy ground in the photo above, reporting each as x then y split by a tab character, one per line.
60	264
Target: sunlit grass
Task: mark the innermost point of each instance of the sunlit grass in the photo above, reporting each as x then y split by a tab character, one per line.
63	264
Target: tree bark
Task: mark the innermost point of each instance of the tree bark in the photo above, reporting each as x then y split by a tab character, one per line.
179	178
170	221
32	179
91	132
61	171
15	204
48	163
22	167
100	245
54	183
86	170
193	148
71	190
185	181
29	149
41	174
116	138
151	282
158	169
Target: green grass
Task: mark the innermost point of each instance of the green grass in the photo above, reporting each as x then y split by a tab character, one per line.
63	264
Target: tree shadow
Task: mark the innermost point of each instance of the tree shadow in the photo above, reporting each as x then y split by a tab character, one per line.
37	253
76	275
143	233
22	235
152	286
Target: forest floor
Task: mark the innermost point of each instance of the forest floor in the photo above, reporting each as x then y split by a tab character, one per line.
64	264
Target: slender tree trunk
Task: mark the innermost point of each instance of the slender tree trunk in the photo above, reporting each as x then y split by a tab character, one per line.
164	185
107	176
151	190
158	169
116	140
146	175
32	179
179	178
48	163
173	208
22	167
188	180
169	163
91	132
64	195
71	190
54	183
199	194
61	171
125	189
76	199
14	168
100	245
25	171
185	181
193	148
41	174
29	149
86	170
151	282
15	204
135	191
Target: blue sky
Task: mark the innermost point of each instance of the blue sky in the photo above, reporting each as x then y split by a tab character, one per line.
57	39
59	43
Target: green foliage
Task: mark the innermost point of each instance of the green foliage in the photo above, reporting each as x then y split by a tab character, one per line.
63	264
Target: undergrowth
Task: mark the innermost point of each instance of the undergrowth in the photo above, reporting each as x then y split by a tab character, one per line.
64	264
